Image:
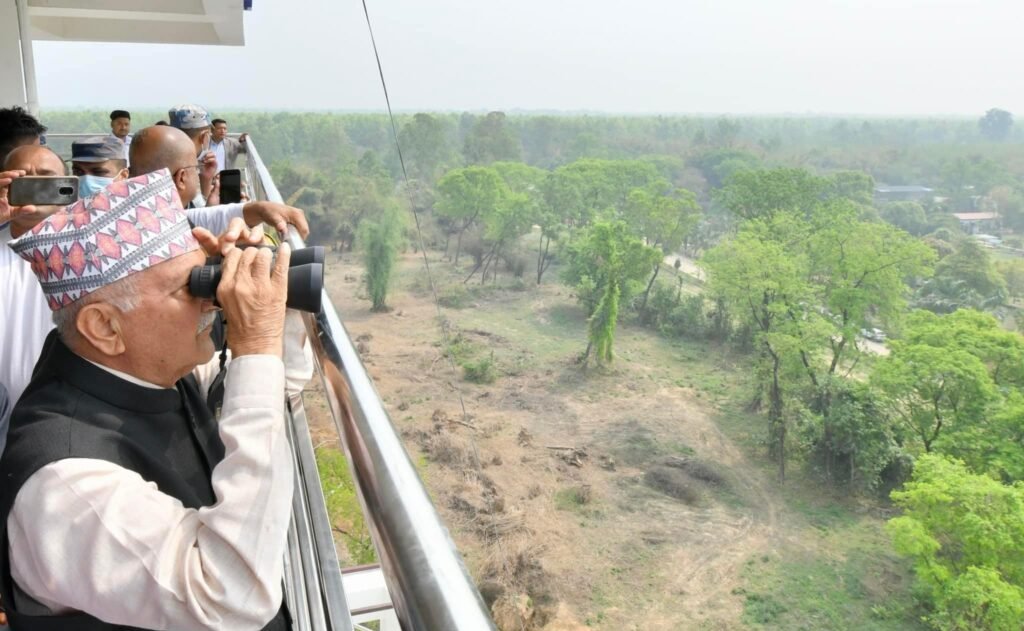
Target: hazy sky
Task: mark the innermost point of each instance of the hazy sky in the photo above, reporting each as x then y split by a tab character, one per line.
669	56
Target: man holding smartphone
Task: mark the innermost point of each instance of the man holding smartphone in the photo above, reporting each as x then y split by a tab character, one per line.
25	317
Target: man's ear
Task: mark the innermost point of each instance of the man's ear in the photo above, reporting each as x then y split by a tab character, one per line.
121	175
179	178
100	325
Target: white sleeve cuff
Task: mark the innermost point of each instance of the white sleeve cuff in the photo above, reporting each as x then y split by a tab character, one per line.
253	381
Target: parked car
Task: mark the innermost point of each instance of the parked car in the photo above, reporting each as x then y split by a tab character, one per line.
875	335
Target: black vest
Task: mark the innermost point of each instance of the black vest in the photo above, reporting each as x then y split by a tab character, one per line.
72	409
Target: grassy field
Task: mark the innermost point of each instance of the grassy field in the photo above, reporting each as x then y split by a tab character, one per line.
671	518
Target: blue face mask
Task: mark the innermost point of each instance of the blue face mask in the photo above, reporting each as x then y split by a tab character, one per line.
89	185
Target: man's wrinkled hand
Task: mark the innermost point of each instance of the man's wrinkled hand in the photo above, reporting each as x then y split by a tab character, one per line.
277	215
237	234
252	292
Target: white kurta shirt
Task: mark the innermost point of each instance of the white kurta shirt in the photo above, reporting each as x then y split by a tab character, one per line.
218	150
89	535
25	320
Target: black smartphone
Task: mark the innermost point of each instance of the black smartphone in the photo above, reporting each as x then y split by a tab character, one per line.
230	186
43	190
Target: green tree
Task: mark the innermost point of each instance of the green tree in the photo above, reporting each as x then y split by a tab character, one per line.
463	194
931	390
859	270
580	190
995	443
719	165
752	194
605	265
380	239
996	124
427	143
909	216
964	177
965	279
965	535
503	225
766	285
1013	275
980	334
853	441
491	141
662	216
856	186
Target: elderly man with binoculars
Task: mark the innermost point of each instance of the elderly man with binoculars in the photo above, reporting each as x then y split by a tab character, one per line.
126	504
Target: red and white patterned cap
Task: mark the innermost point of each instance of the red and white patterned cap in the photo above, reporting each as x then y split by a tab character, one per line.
128	227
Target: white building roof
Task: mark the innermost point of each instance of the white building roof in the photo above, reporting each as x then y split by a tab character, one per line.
143	21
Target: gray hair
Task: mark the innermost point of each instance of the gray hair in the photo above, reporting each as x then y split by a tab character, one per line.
123	294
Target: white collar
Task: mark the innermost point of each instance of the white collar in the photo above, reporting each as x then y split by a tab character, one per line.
126	376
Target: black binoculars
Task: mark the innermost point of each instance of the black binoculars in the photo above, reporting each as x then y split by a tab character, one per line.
305	278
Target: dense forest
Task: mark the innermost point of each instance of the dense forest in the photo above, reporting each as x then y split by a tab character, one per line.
801	249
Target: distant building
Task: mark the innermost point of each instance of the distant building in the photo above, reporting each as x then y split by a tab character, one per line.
979	222
886	193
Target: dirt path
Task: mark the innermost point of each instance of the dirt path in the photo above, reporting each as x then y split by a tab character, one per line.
687	266
629	557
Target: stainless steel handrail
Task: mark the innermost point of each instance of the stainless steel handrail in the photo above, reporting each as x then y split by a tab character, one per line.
330	609
428	581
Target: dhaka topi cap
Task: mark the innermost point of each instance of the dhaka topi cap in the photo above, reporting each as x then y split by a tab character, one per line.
188	116
98	149
116	114
128	227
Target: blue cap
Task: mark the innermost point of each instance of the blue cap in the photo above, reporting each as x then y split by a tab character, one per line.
188	116
98	149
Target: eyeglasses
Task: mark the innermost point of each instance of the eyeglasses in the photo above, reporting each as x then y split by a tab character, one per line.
198	166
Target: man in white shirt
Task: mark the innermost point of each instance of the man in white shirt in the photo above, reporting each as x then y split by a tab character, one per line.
25	317
125	504
120	128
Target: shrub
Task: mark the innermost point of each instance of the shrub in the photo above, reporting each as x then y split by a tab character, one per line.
573	497
454	296
482	370
676	314
516	263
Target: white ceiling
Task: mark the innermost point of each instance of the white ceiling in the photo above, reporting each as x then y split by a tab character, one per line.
142	21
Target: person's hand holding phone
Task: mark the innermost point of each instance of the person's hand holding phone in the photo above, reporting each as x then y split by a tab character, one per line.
7	211
6	177
213	199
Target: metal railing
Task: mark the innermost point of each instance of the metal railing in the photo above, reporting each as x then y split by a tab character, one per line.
429	585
